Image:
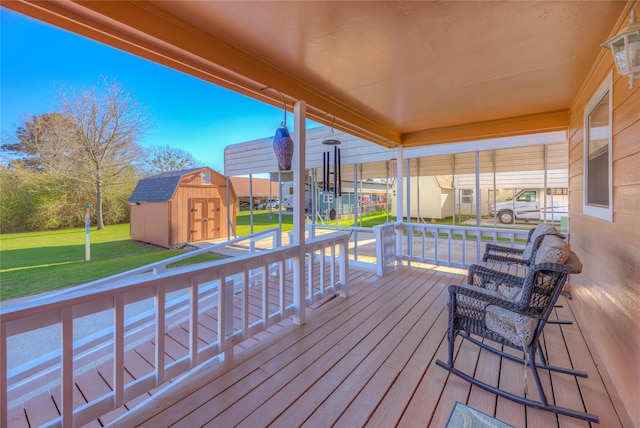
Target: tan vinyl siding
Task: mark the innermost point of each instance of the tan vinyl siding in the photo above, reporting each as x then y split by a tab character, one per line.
607	292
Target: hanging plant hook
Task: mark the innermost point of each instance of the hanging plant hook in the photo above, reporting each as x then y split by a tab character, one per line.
331	141
284	104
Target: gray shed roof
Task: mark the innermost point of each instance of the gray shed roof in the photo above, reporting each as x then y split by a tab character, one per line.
159	188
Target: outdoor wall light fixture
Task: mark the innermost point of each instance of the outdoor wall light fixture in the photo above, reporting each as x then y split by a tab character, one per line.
331	141
282	142
625	47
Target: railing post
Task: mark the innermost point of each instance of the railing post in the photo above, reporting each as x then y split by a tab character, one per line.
380	243
344	264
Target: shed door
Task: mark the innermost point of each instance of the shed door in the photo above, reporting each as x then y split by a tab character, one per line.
204	219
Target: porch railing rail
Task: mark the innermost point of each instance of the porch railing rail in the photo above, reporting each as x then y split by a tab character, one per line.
221	287
453	246
362	241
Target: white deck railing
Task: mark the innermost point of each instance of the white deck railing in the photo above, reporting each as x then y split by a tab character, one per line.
178	295
443	245
454	246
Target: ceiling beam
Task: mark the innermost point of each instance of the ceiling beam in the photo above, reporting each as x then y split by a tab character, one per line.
509	127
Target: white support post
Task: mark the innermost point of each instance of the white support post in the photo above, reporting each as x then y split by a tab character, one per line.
298	165
478	212
399	202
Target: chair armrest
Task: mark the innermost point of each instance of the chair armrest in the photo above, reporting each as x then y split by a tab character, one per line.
487	297
504	259
502	250
484	277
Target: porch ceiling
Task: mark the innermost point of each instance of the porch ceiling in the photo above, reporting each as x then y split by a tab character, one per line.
403	72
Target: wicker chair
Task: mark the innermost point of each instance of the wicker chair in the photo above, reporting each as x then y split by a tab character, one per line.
507	255
487	308
516	261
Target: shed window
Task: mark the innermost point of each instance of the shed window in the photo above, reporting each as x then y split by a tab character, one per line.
206	177
597	154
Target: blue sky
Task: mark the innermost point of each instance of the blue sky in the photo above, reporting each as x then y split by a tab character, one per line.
188	113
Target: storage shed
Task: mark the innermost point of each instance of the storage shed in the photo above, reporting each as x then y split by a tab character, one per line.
182	206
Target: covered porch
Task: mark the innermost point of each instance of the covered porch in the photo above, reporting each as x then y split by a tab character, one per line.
369	358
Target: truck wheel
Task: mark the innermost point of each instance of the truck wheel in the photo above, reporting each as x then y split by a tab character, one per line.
505	217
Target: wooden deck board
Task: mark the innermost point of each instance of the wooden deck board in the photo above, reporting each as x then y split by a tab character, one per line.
347	378
365	360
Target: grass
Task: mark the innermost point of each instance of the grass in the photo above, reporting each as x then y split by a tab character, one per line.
34	262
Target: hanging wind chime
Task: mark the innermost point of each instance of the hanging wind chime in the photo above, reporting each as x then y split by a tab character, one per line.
337	179
282	142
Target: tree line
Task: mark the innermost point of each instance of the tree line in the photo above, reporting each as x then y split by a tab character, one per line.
87	152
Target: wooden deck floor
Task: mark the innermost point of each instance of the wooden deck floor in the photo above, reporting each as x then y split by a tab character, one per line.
369	360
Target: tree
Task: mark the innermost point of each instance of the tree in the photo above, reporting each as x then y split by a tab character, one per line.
41	143
108	124
159	159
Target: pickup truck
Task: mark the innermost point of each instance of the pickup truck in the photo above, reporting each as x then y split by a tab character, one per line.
528	204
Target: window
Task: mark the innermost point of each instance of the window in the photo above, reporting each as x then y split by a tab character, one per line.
206	177
466	196
598	194
528	196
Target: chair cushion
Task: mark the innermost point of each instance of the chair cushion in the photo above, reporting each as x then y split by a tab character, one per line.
553	250
512	326
511	293
471	307
540	230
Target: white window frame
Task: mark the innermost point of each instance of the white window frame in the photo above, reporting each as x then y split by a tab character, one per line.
604	213
463	196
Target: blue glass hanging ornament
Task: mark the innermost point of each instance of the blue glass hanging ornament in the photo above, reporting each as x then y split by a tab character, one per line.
282	142
283	147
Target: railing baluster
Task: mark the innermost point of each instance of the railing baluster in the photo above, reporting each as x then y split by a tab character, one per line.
118	350
322	268
449	241
194	299
160	334
3	375
245	304
265	295
66	390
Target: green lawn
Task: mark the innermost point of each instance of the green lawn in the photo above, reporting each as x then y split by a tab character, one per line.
43	261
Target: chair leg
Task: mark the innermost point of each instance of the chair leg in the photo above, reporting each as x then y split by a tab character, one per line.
532	363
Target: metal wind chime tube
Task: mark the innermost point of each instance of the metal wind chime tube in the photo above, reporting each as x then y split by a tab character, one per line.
339	172
335	171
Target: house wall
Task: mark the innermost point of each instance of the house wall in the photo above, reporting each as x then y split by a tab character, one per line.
150	223
433	202
191	187
607	292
